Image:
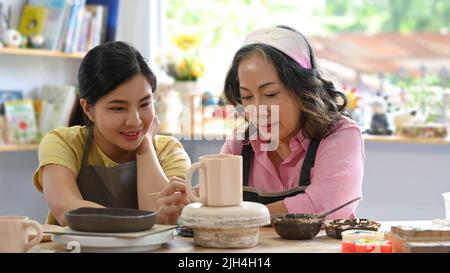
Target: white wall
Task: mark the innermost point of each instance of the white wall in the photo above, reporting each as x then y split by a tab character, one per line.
26	73
139	24
17	193
405	181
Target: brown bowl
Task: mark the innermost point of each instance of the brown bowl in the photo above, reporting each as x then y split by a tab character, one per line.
335	228
296	226
110	219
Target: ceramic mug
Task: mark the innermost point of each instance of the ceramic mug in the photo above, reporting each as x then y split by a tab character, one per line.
446	196
220	180
14	235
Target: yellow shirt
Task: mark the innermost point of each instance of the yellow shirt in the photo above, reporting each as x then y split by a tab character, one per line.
65	146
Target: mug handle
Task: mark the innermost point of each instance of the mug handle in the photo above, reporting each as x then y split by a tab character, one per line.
39	233
189	191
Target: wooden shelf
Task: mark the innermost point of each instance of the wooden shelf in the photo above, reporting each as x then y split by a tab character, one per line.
367	138
40	53
406	140
19	148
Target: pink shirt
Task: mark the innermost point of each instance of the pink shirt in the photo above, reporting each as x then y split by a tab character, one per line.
335	178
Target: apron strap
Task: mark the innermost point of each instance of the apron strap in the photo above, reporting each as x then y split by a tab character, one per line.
305	173
308	163
87	148
247	155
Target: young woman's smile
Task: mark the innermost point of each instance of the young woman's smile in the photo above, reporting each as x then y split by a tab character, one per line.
132	136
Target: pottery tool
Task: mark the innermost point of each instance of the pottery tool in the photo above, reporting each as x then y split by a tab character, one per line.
322	215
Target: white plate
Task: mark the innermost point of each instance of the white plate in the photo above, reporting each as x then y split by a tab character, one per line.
112	244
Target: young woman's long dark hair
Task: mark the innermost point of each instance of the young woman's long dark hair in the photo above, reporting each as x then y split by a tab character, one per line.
103	69
321	104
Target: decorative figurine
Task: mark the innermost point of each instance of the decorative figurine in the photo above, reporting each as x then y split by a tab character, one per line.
37	41
24	41
168	105
379	124
12	38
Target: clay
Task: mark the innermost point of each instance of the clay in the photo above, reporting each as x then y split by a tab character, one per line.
296	226
110	219
336	227
225	227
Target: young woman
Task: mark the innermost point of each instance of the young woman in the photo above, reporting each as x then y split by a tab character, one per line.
115	159
318	163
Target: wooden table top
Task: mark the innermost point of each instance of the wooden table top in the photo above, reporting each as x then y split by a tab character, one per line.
269	242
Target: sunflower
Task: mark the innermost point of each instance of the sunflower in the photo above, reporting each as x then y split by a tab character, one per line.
186	41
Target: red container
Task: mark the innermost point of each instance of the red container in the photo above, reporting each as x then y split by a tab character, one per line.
364	246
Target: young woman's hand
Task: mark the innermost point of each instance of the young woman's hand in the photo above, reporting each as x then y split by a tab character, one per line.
154	127
171	201
147	141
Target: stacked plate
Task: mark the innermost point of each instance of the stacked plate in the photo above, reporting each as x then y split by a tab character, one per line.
112	230
110	244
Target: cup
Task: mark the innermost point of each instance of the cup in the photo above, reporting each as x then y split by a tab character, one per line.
220	180
446	196
14	234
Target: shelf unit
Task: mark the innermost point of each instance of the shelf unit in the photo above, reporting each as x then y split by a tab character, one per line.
406	140
40	53
367	139
35	54
19	148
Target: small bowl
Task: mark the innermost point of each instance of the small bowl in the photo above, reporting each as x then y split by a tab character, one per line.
335	228
110	219
296	226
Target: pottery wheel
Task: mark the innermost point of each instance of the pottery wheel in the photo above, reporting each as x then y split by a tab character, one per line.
225	227
248	214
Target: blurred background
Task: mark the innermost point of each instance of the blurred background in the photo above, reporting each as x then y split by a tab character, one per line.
391	58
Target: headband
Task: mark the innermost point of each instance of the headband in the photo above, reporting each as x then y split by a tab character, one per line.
287	41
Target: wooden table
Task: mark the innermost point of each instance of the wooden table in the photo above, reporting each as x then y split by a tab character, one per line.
269	242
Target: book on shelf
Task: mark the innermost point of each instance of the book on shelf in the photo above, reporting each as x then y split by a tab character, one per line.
21	121
57	10
6	95
112	7
82	45
57	104
90	23
74	22
33	20
3	130
77	25
97	31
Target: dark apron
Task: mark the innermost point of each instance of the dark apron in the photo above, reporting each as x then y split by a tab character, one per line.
108	186
253	195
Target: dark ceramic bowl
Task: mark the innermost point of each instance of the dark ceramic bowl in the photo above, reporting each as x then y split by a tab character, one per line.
296	226
335	228
110	219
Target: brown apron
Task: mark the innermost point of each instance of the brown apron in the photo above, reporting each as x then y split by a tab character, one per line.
252	194
108	186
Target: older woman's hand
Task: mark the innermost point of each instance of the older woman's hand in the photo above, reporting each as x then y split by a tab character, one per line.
171	201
